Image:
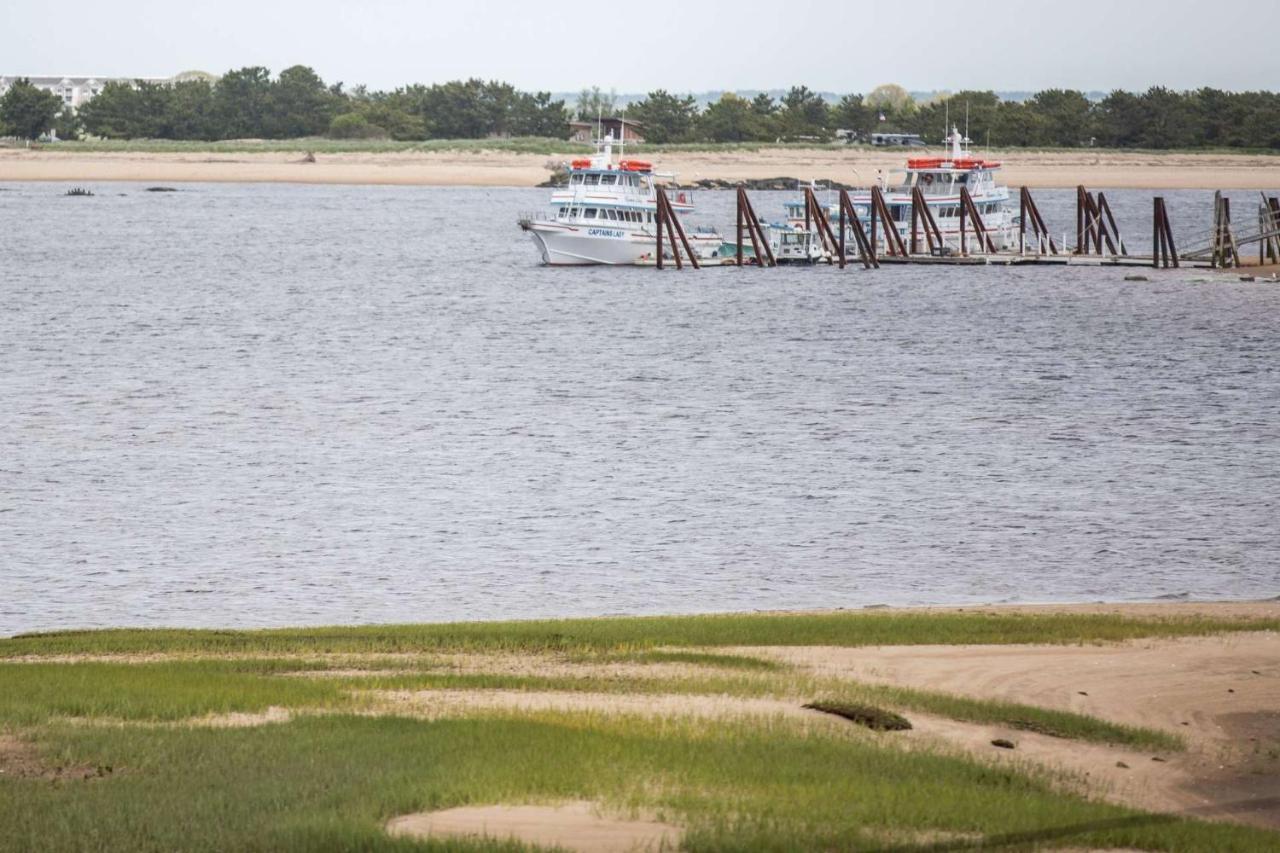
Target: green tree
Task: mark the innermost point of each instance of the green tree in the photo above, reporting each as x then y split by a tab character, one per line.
242	103
803	115
66	125
27	111
978	110
891	100
1119	120
665	117
191	110
1065	117
114	113
301	104
354	126
732	119
852	113
764	105
1169	119
456	110
537	115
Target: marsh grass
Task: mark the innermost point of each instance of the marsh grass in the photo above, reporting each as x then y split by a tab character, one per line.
640	634
34	693
329	783
178	690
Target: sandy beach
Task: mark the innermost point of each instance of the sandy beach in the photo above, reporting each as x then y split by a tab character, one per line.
1035	169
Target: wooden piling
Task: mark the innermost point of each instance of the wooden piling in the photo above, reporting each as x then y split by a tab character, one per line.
1163	251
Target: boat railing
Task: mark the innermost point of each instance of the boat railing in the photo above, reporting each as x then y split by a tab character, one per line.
678	196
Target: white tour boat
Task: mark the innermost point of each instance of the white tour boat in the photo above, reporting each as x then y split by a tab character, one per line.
605	215
939	180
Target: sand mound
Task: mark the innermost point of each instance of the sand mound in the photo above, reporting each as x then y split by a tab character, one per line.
571	826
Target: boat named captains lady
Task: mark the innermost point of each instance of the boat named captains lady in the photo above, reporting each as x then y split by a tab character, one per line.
606	214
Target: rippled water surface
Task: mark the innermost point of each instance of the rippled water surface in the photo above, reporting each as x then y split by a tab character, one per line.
254	405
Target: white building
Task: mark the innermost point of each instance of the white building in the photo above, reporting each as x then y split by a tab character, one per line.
73	90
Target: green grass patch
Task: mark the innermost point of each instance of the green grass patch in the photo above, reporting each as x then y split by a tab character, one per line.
1063	724
33	693
641	634
329	783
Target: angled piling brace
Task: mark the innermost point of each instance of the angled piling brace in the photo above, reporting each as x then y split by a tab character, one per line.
658	215
968	210
880	211
1038	227
1225	251
1096	230
921	215
814	211
1271	211
684	240
1104	209
759	245
849	218
674	229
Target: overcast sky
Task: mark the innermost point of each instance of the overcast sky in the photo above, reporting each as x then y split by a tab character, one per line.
691	45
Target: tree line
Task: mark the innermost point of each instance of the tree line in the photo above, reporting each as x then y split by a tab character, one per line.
1157	118
251	103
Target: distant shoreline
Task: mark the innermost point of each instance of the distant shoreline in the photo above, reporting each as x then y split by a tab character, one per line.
507	168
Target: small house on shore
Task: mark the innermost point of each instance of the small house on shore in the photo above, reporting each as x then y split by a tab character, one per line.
622	129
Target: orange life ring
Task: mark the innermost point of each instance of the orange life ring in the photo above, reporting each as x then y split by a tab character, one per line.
636	166
583	163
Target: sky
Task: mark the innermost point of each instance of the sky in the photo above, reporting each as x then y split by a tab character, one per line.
687	46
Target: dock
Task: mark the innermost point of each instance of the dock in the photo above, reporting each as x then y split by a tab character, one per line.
847	238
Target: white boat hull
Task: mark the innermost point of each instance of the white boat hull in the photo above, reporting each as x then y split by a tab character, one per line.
567	245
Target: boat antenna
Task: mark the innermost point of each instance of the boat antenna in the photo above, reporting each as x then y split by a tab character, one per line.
946	123
966	121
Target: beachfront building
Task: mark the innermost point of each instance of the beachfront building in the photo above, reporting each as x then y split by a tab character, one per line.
74	89
621	129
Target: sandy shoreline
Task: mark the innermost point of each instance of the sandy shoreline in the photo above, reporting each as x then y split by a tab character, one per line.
1034	169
